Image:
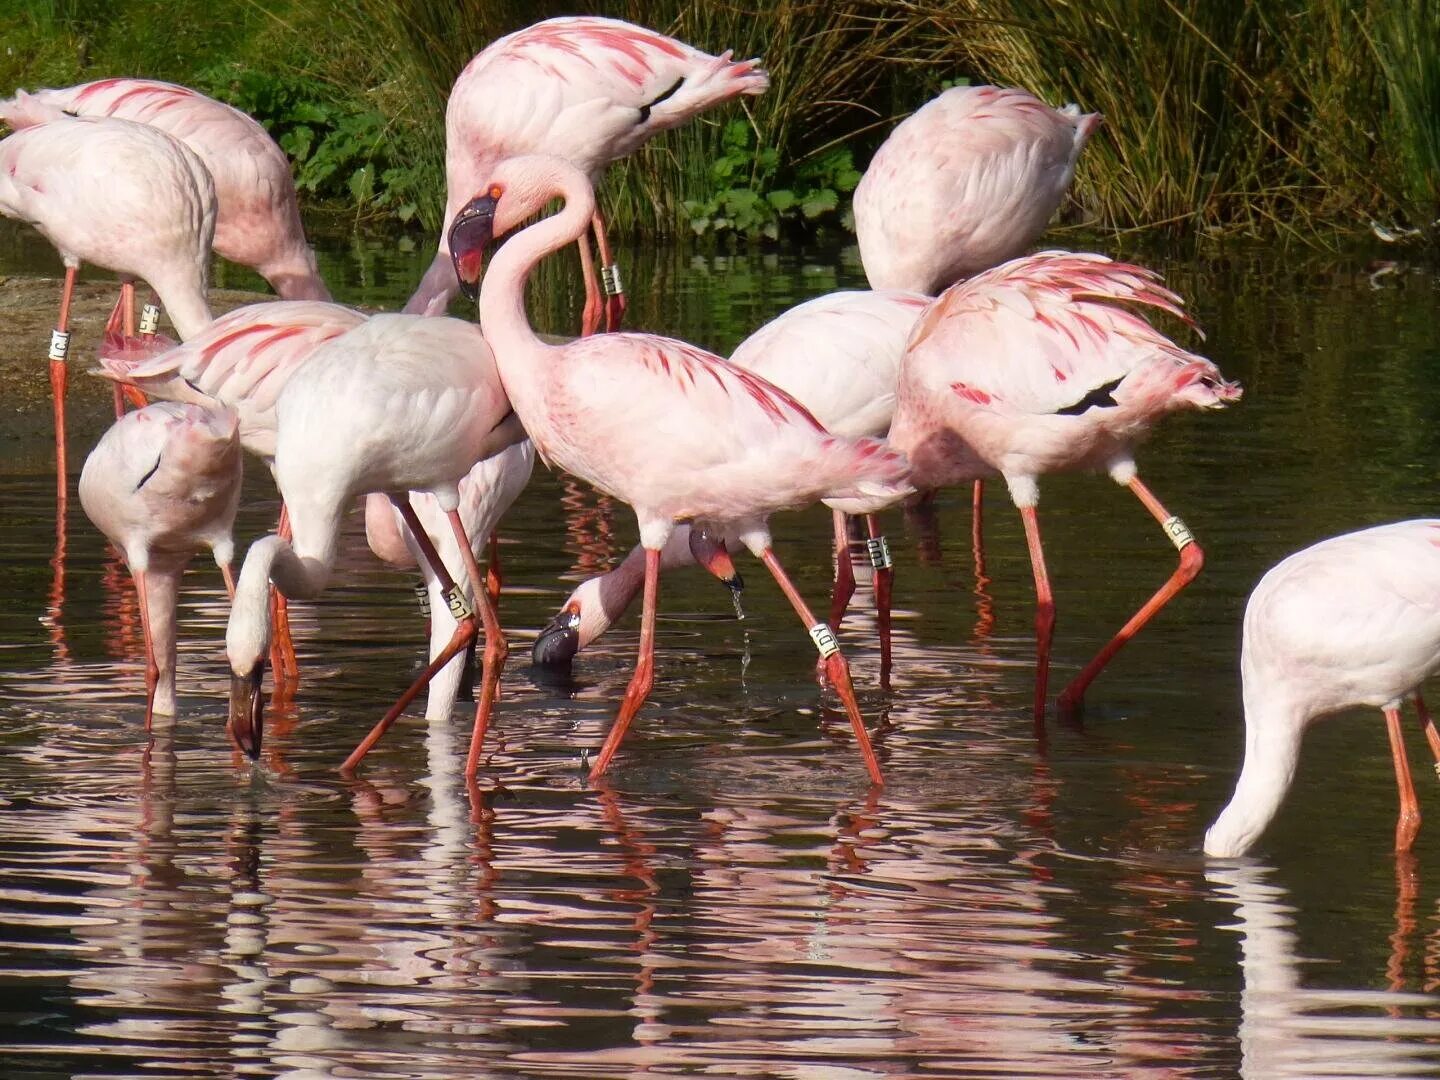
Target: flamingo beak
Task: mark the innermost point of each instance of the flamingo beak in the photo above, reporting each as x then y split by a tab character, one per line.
472	231
558	643
710	552
247	711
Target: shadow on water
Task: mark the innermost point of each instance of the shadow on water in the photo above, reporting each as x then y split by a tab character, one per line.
733	902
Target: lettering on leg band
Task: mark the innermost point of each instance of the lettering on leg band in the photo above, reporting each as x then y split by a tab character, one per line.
149	319
879	553
59	344
1178	532
610	279
422	594
824	639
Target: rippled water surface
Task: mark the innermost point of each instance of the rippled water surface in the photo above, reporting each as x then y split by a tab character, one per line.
734	900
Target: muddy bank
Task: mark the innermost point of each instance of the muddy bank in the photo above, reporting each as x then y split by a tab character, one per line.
28	306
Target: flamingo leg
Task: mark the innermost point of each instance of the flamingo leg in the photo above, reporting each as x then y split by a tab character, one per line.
644	677
615	302
1044	612
496	648
1408	823
977	526
836	669
493	578
594	304
464	633
1428	726
59	376
126	307
1192	558
844	587
228	574
152	668
283	660
884	582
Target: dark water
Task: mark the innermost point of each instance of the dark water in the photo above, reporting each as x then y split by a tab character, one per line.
734	901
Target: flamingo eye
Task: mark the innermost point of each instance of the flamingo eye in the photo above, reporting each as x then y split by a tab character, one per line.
495	191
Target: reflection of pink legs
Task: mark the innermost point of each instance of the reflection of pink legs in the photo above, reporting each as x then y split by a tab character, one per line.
1191	560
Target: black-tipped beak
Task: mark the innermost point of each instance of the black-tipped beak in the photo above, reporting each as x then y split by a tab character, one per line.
559	641
247	711
472	231
709	551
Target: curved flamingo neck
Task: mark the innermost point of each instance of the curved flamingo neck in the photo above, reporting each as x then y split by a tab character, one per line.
503	318
247	635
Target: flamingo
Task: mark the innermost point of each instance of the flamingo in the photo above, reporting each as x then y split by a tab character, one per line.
839	356
399	402
967	181
1036	367
160	483
120	195
587	89
677	433
1352	620
257	221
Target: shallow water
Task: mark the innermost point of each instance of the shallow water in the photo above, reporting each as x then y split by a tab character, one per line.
734	901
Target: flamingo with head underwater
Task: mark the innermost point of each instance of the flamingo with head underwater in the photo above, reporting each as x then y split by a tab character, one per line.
161	483
1353	620
1038	366
123	196
587	89
257	220
679	434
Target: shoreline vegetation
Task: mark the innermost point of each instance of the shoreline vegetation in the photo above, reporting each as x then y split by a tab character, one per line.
1267	118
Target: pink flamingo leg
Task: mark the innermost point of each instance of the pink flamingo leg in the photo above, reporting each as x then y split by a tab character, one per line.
229	575
465	632
152	668
493	579
615	302
1408	824
59	376
977	526
644	677
1428	726
836	669
127	327
844	587
283	660
1192	558
1044	611
496	648
884	583
594	303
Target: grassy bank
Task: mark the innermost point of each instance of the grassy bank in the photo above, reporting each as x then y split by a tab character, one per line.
1251	116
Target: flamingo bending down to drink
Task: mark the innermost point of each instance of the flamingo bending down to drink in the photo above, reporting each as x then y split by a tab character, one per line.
1353	620
677	433
257	220
161	483
121	195
1036	367
587	89
399	403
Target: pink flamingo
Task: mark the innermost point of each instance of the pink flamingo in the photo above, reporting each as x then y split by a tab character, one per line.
400	402
587	89
839	356
675	432
120	195
1352	620
257	223
968	180
160	483
1036	367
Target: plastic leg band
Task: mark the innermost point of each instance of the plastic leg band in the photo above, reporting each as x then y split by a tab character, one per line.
879	553
824	639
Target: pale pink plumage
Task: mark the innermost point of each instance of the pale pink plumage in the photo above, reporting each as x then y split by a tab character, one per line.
1037	366
590	90
160	484
963	184
257	222
1350	621
678	433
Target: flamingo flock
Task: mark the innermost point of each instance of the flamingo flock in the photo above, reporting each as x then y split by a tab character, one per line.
971	359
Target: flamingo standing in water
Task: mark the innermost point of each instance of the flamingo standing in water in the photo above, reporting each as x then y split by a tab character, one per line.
967	181
162	482
1037	367
675	432
257	221
587	89
839	356
400	402
1353	620
120	195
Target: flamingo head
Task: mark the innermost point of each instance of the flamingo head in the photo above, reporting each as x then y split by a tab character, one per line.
247	709
472	231
556	645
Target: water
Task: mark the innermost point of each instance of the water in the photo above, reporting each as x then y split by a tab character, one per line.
733	901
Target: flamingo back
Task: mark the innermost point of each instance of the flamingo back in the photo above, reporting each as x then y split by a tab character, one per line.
964	183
